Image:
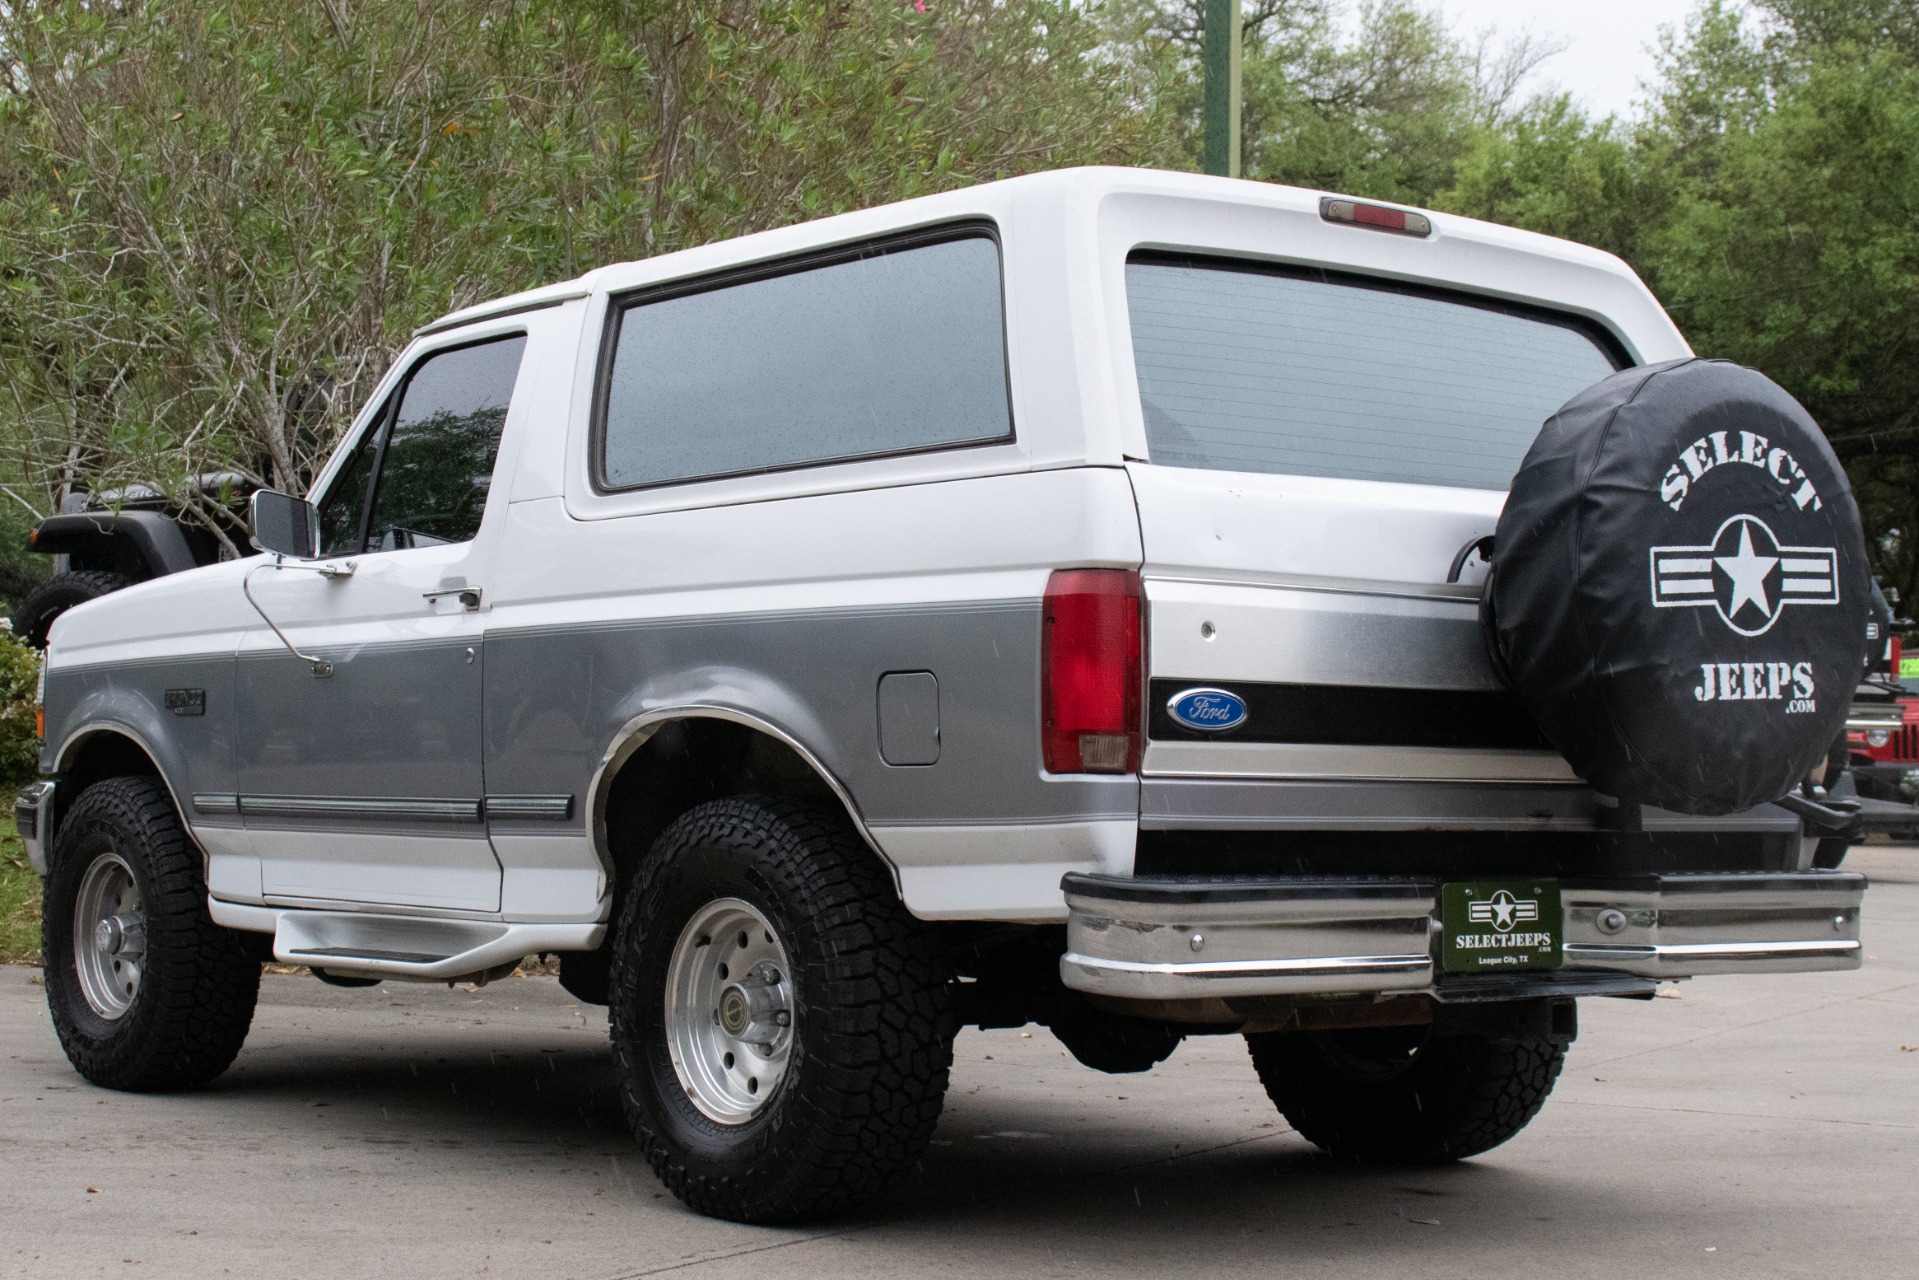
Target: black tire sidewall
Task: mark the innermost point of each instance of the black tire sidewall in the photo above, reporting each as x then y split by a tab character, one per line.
1457	1096
81	841
199	982
701	875
872	1015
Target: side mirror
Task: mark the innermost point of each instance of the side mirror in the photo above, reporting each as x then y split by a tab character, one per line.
284	525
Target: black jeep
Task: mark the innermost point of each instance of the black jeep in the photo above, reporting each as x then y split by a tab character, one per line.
101	542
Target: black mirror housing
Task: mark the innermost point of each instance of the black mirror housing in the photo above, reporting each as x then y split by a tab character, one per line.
284	525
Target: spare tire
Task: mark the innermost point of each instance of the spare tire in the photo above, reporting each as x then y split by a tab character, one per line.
1679	587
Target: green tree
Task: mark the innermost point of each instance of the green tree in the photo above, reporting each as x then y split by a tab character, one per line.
219	221
1387	110
1551	168
1790	242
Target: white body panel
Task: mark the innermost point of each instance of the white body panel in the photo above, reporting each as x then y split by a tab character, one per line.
1248	577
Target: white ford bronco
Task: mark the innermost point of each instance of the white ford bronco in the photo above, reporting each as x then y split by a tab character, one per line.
1142	604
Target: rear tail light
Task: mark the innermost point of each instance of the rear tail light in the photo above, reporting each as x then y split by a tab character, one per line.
1090	672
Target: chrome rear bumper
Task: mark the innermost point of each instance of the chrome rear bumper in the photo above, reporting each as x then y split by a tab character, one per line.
1185	938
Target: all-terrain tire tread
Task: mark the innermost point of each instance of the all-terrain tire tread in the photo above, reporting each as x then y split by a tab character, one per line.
887	1047
1468	1095
200	981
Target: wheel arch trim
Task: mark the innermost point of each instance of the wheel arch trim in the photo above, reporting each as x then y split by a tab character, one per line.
639	730
70	746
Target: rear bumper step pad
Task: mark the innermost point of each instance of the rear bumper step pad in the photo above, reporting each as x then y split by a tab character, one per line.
1176	938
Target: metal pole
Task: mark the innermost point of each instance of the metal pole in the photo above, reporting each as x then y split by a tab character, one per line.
1221	61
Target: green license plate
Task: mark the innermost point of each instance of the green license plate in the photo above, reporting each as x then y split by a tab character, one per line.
1500	926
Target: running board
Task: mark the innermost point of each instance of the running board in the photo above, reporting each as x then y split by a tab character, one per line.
405	947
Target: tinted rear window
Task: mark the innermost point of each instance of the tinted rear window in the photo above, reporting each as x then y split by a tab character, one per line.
1318	375
899	349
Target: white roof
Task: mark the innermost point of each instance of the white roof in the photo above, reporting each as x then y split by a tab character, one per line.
1069	197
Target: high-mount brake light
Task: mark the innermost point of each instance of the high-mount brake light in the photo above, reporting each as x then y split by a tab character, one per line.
1377	216
1090	678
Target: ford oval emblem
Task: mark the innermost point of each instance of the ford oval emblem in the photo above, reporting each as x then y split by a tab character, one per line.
1208	710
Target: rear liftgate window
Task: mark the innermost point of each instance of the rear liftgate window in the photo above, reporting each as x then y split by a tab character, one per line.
894	349
1313	374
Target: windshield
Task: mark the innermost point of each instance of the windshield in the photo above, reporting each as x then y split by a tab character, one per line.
1246	368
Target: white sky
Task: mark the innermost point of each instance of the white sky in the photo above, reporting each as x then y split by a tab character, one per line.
1611	41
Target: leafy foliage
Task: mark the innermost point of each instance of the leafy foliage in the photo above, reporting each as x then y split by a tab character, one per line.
1790	243
1768	199
218	222
1387	111
19	738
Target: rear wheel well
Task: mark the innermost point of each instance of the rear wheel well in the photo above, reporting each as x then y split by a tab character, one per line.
684	763
687	762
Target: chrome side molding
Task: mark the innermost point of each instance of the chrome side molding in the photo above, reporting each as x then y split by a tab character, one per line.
373	808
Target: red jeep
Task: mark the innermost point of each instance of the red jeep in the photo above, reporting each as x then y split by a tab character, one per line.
1882	738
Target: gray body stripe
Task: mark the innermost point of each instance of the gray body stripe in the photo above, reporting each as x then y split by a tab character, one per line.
558	697
404	724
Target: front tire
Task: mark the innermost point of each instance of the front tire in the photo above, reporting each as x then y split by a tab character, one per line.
146	992
1402	1095
782	1028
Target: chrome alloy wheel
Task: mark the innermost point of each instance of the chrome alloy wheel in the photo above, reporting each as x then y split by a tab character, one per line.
109	936
729	1010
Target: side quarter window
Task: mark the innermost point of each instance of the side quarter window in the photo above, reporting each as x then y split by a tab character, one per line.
420	475
880	350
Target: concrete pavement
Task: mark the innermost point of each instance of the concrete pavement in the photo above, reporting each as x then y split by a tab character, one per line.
1734	1128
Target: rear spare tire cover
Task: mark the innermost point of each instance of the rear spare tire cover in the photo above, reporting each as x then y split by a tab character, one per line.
1680	587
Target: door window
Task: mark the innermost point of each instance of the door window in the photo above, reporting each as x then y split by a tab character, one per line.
420	475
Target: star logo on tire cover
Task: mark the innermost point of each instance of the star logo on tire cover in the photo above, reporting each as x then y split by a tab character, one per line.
1745	574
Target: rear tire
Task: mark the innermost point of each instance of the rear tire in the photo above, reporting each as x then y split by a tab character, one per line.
58	594
146	992
1402	1095
782	1028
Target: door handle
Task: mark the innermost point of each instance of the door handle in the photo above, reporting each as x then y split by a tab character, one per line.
469	596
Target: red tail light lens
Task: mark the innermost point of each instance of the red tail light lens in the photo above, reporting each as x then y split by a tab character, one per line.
1090	672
